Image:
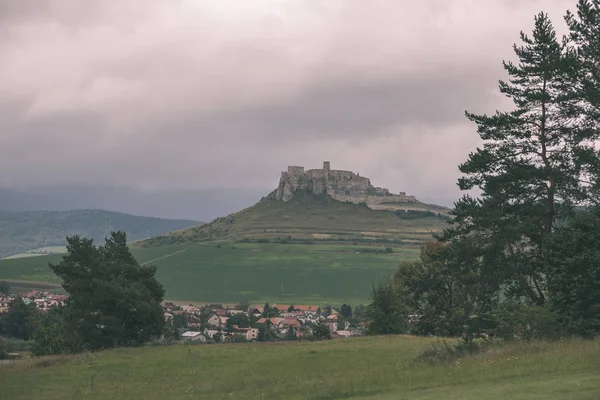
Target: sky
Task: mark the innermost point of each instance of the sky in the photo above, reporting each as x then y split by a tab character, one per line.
183	94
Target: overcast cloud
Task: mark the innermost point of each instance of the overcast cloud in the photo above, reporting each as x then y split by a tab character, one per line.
203	94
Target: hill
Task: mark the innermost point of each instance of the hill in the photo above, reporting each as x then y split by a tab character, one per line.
367	368
21	232
322	205
312	218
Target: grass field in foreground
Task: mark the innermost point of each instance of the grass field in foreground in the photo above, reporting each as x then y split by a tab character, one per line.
370	368
257	272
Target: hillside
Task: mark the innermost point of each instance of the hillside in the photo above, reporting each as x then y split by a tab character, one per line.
367	368
309	217
24	231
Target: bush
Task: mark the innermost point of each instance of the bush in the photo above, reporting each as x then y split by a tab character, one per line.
417	214
161	342
443	351
55	334
12	345
518	322
387	313
237	338
321	331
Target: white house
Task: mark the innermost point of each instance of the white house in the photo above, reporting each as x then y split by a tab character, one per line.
191	335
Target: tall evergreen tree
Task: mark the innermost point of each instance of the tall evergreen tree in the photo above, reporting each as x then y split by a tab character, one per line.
531	167
114	300
584	40
346	311
386	313
4	288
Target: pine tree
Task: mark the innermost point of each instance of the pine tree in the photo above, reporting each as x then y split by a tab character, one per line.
386	313
530	170
584	41
113	299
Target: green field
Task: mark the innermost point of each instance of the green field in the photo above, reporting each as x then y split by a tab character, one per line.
42	251
370	368
257	272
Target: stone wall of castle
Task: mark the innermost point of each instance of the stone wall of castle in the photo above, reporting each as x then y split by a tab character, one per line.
340	185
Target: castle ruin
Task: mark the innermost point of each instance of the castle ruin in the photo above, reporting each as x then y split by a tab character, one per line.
340	185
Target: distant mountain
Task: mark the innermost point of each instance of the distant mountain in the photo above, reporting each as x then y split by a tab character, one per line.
200	205
24	231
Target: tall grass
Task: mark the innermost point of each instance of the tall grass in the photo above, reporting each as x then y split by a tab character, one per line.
371	367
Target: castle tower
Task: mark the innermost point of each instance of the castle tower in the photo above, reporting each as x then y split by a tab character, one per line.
326	166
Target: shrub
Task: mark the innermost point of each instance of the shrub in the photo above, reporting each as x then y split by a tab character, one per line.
12	345
161	342
238	339
55	334
321	331
443	351
518	322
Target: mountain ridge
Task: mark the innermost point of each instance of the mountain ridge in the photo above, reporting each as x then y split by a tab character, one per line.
28	230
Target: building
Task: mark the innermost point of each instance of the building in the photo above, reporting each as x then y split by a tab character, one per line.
192	335
248	333
217	321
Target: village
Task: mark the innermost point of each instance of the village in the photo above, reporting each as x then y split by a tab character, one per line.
216	323
244	322
42	300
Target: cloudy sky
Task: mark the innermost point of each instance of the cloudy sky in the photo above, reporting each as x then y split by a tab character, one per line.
158	94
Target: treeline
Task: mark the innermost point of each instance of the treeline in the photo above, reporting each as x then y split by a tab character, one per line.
353	240
523	258
418	214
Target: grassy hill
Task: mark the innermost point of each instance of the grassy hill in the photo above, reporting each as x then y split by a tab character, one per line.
311	218
21	232
369	368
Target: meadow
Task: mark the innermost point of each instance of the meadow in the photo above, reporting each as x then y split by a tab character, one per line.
257	272
369	368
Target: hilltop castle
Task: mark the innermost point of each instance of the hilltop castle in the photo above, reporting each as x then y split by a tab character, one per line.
339	185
